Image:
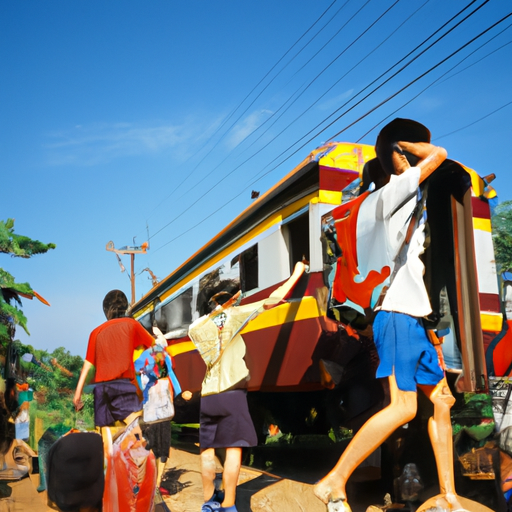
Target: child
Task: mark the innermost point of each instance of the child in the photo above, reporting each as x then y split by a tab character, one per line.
225	421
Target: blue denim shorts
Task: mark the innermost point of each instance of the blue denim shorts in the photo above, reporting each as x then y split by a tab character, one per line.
405	351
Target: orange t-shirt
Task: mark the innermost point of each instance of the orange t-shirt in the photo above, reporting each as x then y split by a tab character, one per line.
111	347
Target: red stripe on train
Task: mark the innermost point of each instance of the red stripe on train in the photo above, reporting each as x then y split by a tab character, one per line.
481	208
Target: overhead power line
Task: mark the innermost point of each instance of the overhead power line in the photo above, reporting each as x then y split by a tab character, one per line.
174	219
261	174
303	90
439	80
303	112
475	122
371	110
422	75
359	119
192	172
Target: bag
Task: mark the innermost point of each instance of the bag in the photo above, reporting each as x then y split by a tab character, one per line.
159	406
75	474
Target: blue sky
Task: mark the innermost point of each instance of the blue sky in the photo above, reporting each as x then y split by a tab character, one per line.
118	117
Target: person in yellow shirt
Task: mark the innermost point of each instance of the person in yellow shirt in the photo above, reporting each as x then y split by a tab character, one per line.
225	421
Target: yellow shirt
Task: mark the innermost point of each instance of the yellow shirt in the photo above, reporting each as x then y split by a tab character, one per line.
224	372
223	348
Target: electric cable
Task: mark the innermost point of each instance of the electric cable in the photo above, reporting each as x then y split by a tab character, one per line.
481	59
252	90
298	96
374	108
303	112
390	97
378	78
261	149
474	122
438	80
421	76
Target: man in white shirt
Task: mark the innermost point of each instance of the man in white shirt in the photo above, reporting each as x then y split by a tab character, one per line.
390	232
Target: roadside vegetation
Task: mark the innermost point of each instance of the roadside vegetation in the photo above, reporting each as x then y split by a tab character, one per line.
502	235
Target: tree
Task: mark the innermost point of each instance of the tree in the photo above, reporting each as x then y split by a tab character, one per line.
502	235
10	292
10	316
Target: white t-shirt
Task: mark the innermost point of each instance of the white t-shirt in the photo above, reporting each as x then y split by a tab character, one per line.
382	225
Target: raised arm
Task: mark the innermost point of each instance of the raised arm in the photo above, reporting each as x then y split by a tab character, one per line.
277	296
429	157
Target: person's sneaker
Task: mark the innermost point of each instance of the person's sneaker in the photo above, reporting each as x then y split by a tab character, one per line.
339	505
229	509
211	506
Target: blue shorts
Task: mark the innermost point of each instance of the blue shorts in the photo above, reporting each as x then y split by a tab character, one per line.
405	351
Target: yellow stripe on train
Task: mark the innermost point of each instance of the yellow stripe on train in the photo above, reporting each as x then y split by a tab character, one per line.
482	224
293	311
181	348
492	322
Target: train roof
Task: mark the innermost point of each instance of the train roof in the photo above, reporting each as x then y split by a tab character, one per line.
323	174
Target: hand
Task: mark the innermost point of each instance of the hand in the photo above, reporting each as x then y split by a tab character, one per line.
399	159
160	338
429	157
77	402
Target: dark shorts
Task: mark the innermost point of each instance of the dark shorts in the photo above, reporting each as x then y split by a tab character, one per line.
405	351
114	401
225	421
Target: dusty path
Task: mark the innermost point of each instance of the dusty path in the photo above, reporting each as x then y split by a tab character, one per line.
257	491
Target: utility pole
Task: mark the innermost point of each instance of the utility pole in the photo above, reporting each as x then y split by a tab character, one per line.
132	251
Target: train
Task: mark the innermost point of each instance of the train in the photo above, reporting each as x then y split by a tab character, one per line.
286	345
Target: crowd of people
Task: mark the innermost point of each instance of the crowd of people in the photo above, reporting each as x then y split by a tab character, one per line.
391	214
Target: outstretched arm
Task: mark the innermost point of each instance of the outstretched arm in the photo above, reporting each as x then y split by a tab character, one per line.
277	296
429	157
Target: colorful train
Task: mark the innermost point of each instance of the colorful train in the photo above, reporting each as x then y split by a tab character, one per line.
257	251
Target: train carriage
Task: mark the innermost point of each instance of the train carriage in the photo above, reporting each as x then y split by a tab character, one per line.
257	251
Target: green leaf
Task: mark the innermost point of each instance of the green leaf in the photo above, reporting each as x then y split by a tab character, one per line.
502	235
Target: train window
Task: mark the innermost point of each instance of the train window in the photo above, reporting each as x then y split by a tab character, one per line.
297	239
148	320
249	269
225	278
330	249
145	321
175	317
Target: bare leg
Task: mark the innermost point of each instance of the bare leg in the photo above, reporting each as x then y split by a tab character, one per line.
160	467
208	466
440	431
373	433
230	475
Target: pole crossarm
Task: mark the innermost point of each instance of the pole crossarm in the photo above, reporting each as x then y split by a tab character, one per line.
132	251
128	249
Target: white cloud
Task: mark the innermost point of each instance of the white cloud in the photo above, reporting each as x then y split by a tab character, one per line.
101	142
332	103
245	127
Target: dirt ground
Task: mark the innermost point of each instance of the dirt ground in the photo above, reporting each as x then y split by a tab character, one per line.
261	491
257	491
